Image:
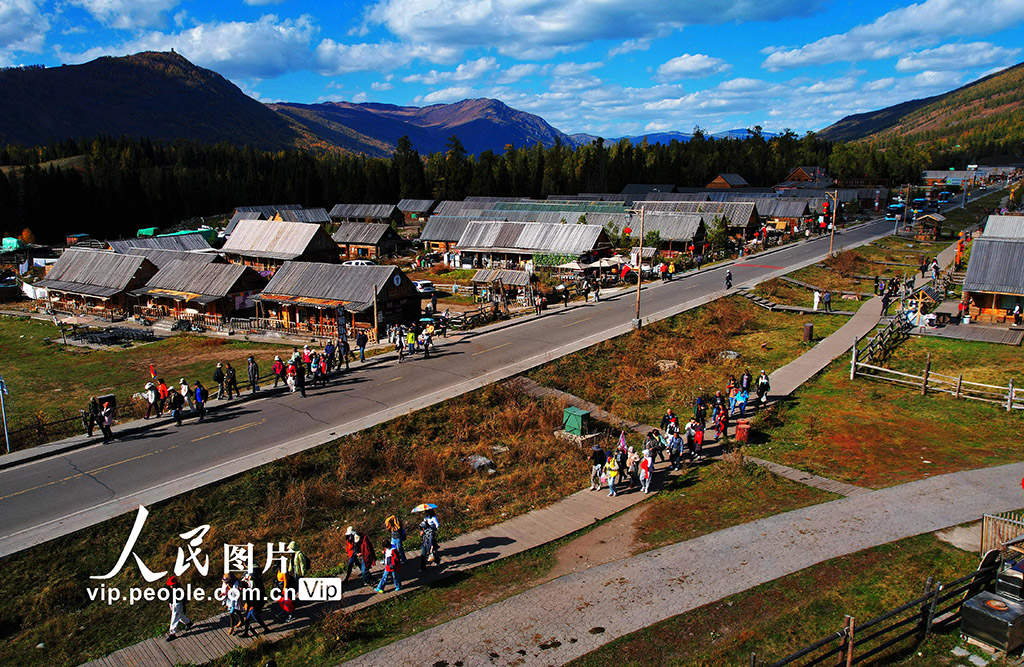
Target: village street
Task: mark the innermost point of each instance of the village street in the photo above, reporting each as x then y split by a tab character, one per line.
44	499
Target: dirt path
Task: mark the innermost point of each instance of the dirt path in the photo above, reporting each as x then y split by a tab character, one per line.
611	541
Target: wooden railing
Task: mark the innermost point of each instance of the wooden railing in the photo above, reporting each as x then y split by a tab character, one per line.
302	329
901	628
998	530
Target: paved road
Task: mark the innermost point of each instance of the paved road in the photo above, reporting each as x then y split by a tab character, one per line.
52	497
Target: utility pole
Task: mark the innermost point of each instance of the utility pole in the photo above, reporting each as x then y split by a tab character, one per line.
3	411
835	205
639	270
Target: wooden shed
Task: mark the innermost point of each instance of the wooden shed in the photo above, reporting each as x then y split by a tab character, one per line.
366	240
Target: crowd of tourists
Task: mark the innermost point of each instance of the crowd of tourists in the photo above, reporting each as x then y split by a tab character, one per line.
306	367
247	602
624	468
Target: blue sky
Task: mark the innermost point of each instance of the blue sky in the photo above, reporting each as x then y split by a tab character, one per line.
607	67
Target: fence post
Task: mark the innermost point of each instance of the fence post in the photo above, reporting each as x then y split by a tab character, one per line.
1009	396
959	382
846	655
924	380
853	359
922	629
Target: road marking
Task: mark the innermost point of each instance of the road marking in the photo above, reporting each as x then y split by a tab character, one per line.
760	266
491	349
392	380
577	322
88	472
233	429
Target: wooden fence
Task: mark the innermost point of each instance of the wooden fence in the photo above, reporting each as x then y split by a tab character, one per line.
998	530
1004	396
901	628
879	347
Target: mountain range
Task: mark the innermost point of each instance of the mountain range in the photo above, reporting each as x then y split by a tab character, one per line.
163	96
989	110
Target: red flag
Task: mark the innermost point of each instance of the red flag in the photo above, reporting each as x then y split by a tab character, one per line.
152	373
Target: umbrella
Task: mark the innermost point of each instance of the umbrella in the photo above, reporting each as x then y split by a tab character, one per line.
423	507
603	264
572	266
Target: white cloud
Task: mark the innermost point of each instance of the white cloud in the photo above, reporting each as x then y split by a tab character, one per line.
334	58
381	85
569	69
689	66
659	126
467	71
359	98
265	48
517	72
957	57
901	30
261	3
127	14
629	46
528	29
445	95
23	27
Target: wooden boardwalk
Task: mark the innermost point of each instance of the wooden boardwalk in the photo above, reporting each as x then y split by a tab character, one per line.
974	332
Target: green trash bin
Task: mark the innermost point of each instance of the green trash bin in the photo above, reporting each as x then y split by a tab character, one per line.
575	421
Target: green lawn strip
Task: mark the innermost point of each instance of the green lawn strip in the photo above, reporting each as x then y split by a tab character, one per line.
310	497
986	363
876	434
785	615
707	498
44	377
717	495
622	375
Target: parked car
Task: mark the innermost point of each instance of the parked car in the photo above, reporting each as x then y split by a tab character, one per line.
359	262
423	286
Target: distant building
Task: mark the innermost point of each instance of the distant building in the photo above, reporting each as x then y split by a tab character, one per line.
95	281
723	181
514	244
321	299
314	215
266	244
381	213
441	233
415	211
742	217
191	242
366	240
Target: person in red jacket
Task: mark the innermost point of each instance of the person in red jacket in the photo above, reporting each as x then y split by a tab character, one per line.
360	552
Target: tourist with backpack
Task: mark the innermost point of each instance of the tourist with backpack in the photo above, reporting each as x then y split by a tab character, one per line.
279	374
611	471
254	375
202	395
153	400
597	460
107	422
359	550
392	567
429	551
231	381
397	531
175	402
218	379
